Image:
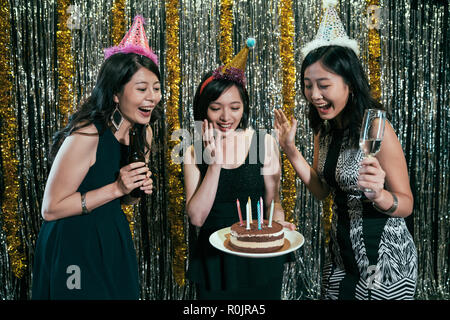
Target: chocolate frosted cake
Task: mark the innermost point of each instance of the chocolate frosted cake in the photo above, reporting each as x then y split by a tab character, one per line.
257	241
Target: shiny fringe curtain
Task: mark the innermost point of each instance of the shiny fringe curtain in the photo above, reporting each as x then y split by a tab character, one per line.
49	66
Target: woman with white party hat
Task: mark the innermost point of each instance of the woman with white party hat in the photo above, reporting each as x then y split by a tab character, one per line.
371	253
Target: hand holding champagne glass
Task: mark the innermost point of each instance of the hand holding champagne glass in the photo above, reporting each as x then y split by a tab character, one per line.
372	131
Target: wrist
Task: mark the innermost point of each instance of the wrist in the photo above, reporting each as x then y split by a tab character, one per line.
116	190
380	206
215	167
290	150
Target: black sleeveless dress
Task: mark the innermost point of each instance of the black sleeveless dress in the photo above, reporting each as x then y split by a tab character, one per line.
90	256
219	275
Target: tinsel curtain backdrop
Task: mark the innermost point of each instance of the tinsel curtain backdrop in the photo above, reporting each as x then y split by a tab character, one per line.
50	54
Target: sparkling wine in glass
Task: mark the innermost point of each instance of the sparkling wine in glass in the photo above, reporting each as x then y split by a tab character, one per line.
372	131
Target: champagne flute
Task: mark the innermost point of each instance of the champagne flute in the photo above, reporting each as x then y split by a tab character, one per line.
372	132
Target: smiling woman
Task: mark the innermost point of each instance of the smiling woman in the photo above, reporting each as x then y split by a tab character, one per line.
214	185
139	96
326	91
368	231
226	112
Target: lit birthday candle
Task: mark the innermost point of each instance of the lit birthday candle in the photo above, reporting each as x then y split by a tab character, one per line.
241	223
262	210
271	215
250	209
259	214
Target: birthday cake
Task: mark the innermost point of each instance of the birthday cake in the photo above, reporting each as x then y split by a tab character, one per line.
268	239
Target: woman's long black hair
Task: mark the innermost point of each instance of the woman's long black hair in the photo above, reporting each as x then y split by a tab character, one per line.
212	92
343	62
114	74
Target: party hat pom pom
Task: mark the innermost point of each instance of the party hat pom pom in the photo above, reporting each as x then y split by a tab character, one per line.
251	42
329	3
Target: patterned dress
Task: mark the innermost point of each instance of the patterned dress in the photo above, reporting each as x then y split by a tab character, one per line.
371	255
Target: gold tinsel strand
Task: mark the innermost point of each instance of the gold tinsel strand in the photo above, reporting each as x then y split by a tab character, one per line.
65	61
288	92
226	28
11	221
118	21
175	206
117	32
374	56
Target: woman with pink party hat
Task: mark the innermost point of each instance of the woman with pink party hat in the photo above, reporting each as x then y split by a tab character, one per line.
84	249
371	253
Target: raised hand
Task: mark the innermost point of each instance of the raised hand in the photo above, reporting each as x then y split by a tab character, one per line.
285	131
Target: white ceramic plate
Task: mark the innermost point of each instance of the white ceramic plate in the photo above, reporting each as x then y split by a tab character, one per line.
296	240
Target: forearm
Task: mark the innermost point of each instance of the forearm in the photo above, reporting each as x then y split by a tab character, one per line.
71	205
307	173
200	204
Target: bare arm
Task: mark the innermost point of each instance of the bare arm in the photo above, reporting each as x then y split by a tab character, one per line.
200	194
272	176
286	137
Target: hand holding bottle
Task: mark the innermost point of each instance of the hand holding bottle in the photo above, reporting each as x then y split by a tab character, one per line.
133	176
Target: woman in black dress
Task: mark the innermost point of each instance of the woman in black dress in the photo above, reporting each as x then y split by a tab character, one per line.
84	249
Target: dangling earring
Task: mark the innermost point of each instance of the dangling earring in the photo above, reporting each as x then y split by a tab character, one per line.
116	118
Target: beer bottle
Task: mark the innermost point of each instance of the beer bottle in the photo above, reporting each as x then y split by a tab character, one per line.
136	153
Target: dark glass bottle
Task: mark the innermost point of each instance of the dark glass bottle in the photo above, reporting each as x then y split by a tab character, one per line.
136	153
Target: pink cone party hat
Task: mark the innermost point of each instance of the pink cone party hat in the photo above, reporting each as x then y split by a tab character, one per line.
331	31
135	41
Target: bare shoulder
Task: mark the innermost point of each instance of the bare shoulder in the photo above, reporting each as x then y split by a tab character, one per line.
390	138
391	149
90	129
81	144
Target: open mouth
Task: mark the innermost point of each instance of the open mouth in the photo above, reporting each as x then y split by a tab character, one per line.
324	108
224	127
146	111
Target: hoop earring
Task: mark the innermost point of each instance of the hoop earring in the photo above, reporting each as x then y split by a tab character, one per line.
116	118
